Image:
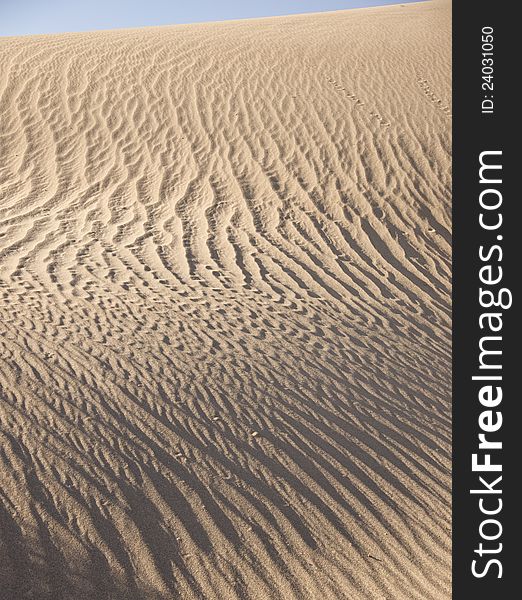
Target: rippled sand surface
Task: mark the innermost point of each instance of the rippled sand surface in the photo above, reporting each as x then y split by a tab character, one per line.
225	310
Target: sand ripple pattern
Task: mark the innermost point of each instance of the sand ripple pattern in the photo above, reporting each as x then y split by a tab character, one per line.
225	310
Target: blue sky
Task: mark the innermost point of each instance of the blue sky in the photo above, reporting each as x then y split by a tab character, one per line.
20	17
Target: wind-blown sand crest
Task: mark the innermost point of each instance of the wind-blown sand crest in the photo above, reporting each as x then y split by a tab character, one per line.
225	310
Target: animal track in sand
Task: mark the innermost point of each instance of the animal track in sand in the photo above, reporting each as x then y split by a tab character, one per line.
432	96
383	122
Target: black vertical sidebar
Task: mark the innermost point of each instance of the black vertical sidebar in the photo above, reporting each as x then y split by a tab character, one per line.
474	132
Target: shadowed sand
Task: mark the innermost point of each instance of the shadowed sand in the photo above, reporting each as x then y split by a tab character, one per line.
225	310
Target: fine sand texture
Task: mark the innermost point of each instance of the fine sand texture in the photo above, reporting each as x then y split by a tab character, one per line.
225	310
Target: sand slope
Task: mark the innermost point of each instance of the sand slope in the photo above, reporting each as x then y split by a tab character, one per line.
225	310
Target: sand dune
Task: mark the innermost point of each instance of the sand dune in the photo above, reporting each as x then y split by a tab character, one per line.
225	310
